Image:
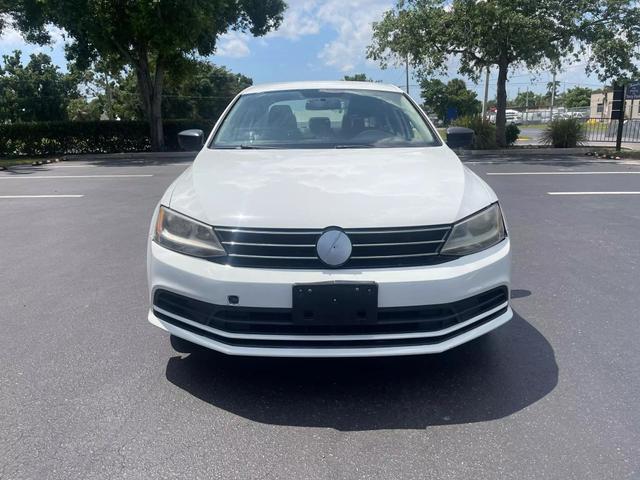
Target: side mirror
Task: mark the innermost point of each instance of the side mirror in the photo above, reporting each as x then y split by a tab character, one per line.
191	140
459	137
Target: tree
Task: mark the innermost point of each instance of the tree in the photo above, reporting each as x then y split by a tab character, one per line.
440	97
357	77
611	28
37	91
551	86
203	93
481	34
152	37
81	109
577	97
200	91
530	100
4	11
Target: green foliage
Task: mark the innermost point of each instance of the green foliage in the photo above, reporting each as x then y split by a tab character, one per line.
551	86
204	93
572	98
37	91
611	29
512	133
79	109
153	37
481	34
358	77
485	132
439	97
56	138
530	100
201	91
577	97
113	89
564	133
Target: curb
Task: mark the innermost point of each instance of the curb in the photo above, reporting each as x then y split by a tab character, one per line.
508	152
129	156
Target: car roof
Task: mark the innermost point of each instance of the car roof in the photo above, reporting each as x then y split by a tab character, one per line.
322	85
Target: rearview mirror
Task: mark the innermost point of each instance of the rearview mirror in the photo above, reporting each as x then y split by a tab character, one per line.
459	137
330	103
191	140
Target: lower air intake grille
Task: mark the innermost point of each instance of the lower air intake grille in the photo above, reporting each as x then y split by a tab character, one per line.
253	320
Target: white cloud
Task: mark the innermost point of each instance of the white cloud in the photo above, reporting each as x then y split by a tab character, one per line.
299	20
234	45
352	21
12	39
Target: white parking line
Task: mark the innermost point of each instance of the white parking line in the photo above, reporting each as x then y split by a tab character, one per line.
69	166
593	193
33	177
562	173
41	196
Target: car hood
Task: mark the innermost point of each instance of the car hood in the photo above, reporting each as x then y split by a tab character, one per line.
350	188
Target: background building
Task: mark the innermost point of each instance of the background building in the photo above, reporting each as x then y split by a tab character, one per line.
601	106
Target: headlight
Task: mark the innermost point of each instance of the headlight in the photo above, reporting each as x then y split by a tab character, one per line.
477	232
186	235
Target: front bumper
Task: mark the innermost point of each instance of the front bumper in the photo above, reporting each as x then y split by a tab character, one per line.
266	288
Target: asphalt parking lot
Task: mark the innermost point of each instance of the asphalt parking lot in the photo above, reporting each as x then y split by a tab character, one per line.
89	389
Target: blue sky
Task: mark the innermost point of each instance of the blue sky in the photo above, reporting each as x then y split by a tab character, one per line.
320	40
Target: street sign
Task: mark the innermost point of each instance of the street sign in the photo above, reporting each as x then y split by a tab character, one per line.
617	104
633	91
617	111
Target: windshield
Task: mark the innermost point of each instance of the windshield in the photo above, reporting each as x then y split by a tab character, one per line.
324	119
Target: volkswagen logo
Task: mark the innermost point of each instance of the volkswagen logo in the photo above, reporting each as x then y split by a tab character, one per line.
334	247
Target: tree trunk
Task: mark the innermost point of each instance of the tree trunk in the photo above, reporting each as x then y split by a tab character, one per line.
501	104
150	89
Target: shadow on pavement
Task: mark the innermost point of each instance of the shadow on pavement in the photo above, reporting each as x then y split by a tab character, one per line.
97	162
139	162
520	293
489	378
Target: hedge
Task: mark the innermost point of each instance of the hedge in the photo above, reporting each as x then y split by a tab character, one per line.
57	138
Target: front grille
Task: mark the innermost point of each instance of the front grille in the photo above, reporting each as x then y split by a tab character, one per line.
296	248
278	321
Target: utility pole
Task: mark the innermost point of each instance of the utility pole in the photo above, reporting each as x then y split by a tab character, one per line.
406	65
107	88
526	108
553	95
485	99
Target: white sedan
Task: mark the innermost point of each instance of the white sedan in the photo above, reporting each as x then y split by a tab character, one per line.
327	219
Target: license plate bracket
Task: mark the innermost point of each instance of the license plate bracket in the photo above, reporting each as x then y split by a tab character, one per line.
335	303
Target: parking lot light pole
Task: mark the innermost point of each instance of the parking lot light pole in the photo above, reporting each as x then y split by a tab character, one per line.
553	96
486	94
407	72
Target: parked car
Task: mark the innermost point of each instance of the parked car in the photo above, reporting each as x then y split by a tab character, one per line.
327	219
512	116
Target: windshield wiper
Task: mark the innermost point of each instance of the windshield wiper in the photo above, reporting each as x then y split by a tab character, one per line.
254	147
244	147
355	145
